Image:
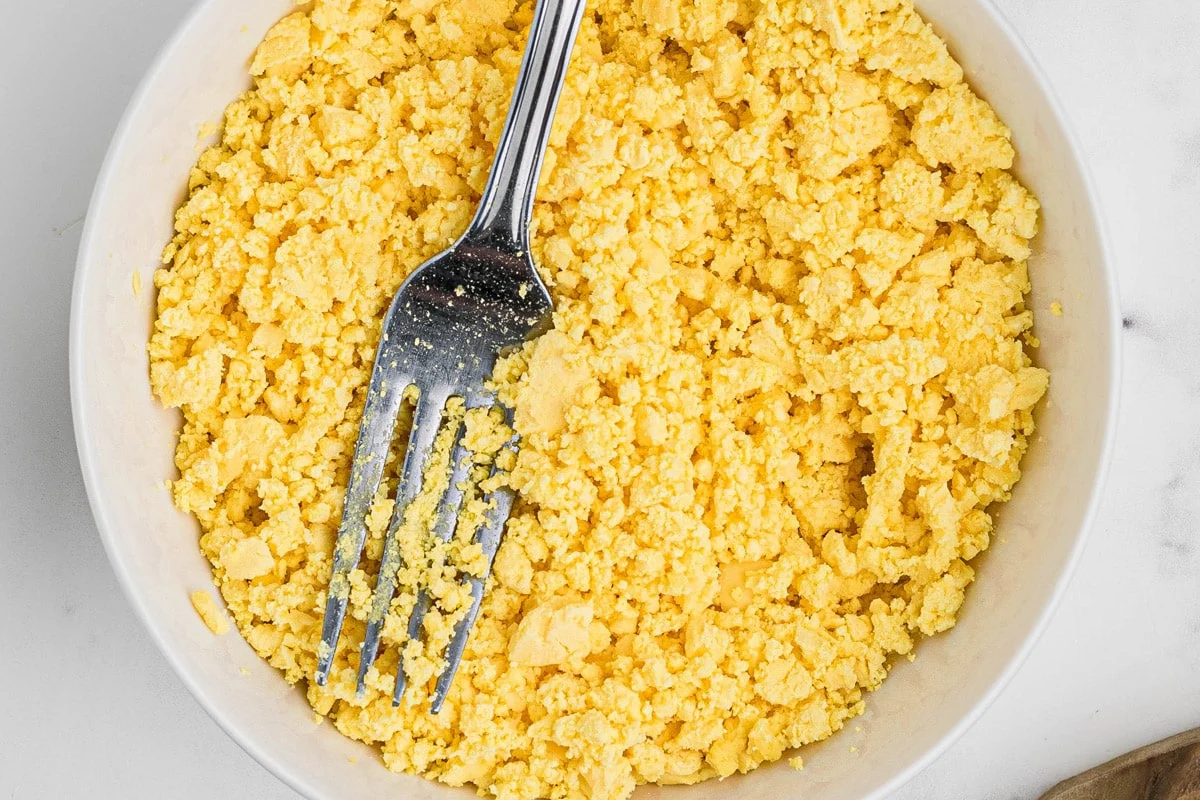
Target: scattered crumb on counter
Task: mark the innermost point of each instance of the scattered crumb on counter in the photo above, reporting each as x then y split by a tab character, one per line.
796	762
210	612
137	284
1056	308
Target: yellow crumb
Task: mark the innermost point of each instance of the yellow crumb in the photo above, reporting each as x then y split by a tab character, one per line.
787	382
210	612
137	284
204	133
796	762
243	672
1056	308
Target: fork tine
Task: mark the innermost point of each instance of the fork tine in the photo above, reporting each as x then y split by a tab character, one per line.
489	536
366	470
427	418
447	516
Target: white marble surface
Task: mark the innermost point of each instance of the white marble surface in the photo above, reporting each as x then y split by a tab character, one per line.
90	707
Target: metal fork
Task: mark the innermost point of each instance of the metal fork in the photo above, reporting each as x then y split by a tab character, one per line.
442	336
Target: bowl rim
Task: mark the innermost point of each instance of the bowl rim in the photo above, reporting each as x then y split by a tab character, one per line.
109	534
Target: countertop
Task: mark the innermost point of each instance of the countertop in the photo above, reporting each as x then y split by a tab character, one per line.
91	709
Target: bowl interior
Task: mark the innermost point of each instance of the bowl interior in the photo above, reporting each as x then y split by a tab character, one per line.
126	440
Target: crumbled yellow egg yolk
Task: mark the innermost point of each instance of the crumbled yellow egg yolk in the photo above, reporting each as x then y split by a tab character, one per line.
786	381
209	612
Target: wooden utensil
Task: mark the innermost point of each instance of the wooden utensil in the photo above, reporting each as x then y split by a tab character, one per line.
1166	770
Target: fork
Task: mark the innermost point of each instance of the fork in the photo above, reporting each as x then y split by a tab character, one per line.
442	335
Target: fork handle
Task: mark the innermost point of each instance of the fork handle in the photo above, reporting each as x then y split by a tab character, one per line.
506	207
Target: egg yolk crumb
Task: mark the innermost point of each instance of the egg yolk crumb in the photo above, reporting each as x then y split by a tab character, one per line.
786	379
209	612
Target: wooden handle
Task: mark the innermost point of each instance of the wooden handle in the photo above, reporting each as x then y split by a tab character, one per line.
1166	770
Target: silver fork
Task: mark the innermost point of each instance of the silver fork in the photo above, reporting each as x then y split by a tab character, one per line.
442	336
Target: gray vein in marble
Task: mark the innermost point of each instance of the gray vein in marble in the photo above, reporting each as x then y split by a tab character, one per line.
1179	508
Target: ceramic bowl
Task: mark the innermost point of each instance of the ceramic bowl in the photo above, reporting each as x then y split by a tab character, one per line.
126	438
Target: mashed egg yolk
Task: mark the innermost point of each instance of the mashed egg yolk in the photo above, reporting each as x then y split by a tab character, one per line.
788	375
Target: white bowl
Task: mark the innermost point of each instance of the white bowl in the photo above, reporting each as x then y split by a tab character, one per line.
126	439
